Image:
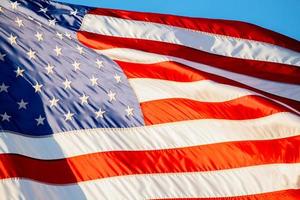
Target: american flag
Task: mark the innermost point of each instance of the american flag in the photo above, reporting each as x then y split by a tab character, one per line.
111	104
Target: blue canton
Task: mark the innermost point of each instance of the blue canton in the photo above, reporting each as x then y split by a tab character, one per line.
50	82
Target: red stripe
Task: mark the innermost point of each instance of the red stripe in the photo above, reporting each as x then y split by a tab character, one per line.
217	26
190	159
178	72
278	195
171	71
261	69
175	109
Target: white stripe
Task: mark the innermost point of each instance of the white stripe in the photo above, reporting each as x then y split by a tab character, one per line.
286	90
215	44
147	89
223	183
165	136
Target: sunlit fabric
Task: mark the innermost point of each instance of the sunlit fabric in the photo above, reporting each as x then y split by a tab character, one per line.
108	104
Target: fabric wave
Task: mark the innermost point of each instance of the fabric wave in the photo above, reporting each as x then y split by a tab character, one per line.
109	104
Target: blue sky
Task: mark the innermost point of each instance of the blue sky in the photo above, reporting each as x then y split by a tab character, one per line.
279	15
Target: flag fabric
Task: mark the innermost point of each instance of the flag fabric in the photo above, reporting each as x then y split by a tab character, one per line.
111	104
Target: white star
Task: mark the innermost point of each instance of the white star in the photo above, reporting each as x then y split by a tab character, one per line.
39	36
14	5
76	65
12	39
68	35
52	22
118	78
112	96
94	81
53	102
19	22
49	69
84	99
5	117
99	113
74	12
67	84
69	116
2	57
80	49
58	51
60	35
129	111
22	104
3	88
40	120
99	63
19	72
37	87
31	54
43	10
